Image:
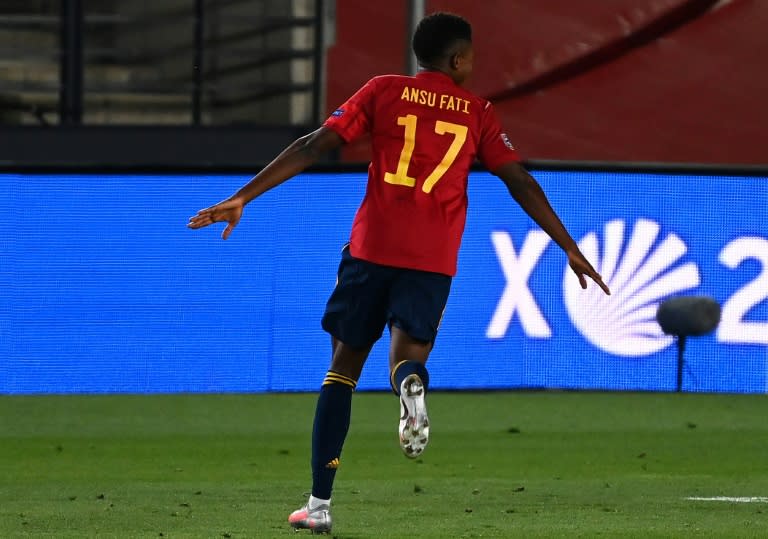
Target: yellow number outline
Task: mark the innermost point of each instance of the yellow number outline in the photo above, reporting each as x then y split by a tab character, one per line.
400	176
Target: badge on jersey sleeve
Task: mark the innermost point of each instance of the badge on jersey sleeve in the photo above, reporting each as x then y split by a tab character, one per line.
505	140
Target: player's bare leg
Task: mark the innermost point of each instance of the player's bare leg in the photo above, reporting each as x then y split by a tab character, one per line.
403	347
407	359
347	360
332	417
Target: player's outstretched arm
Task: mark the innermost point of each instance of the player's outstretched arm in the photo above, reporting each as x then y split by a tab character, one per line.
294	159
529	195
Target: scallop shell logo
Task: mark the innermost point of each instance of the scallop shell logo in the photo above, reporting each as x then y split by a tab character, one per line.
640	275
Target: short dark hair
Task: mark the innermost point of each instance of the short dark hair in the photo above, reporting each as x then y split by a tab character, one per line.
436	33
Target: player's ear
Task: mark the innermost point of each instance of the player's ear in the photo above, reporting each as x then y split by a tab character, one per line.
455	61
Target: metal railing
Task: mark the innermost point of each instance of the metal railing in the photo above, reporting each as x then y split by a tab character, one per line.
200	62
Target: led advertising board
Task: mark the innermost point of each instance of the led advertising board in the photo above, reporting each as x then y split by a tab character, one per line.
104	289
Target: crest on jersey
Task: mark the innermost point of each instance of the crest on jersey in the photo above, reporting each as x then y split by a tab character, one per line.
337	112
505	140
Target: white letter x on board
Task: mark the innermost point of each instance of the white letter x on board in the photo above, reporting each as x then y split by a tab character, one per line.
517	295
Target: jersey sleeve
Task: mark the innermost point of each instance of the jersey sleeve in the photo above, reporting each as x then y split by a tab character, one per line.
354	118
495	149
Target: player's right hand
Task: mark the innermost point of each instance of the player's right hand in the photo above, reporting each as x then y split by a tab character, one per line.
229	210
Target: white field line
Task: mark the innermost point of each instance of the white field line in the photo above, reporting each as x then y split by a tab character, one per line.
741	499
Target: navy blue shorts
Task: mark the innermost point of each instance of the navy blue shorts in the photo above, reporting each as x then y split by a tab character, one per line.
369	297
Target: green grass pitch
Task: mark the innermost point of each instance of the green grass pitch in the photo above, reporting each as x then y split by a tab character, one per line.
499	465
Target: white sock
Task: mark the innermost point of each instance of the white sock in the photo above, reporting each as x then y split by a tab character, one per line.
314	503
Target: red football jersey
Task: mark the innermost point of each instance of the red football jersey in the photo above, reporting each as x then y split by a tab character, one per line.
425	134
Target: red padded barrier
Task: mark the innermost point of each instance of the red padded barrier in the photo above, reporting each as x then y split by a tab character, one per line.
696	95
370	40
534	44
625	80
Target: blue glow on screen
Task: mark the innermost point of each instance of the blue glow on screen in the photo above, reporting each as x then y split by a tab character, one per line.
104	289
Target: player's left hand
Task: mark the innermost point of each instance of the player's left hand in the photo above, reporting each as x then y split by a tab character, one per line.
229	210
582	267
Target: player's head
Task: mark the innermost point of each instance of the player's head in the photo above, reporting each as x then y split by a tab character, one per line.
443	42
